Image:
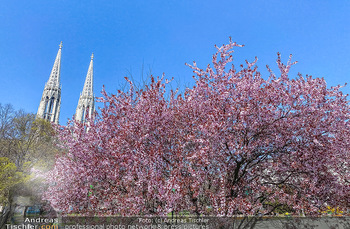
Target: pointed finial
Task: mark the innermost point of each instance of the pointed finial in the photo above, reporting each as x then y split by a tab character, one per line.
92	56
61	45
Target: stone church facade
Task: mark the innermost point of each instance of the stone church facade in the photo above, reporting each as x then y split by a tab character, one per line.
50	103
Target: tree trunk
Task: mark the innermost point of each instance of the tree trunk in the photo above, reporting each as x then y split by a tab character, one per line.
6	215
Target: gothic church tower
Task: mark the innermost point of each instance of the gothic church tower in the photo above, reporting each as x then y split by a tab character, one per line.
50	104
86	104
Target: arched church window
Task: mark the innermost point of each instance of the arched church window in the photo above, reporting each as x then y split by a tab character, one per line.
46	107
87	111
83	114
52	100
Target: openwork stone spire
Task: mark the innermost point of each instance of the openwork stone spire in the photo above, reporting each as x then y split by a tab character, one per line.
50	104
54	79
86	104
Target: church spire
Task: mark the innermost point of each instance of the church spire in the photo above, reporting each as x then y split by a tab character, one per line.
88	85
54	79
86	104
50	104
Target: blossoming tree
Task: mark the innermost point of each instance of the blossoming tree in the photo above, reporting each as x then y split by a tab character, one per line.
235	143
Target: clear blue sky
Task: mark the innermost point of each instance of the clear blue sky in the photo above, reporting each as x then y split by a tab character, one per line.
160	36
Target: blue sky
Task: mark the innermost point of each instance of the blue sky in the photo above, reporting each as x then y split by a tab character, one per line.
138	38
